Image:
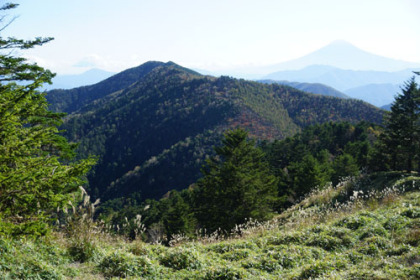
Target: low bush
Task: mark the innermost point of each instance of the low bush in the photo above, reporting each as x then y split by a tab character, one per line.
31	259
120	264
287	238
264	263
316	269
236	255
227	246
370	249
225	273
399	250
411	212
181	258
373	229
83	250
396	222
354	222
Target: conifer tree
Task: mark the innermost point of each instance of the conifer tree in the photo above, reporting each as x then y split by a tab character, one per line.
236	185
401	137
307	174
36	171
344	165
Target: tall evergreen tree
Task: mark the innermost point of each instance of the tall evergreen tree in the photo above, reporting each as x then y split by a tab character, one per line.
417	131
236	185
35	168
401	137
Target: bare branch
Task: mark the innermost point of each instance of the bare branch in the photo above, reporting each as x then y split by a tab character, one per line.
7	24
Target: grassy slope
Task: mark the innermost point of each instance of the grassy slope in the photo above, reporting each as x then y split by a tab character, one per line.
336	233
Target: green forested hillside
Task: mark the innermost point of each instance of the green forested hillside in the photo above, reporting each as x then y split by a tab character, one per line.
241	182
146	117
312	109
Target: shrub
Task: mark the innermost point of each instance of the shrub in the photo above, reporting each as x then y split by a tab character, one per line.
223	247
329	238
414	272
139	248
120	264
363	274
32	270
316	269
344	234
81	229
412	237
374	229
292	237
396	222
380	242
354	222
236	255
225	273
181	258
264	263
289	256
29	259
370	249
412	212
398	251
355	257
324	241
286	259
82	250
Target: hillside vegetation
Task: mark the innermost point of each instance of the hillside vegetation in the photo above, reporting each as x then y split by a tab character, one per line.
244	180
363	228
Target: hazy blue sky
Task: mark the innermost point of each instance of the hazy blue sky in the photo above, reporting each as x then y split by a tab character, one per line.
211	34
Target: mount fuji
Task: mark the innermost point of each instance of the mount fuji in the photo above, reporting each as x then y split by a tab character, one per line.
342	54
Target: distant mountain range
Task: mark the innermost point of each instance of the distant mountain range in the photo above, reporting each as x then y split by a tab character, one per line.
152	126
342	66
314	88
338	69
387	107
342	80
376	94
375	87
89	77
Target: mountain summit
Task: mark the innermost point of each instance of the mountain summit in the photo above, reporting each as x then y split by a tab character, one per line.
342	54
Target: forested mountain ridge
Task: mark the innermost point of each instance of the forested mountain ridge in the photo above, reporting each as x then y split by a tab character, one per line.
152	126
73	99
